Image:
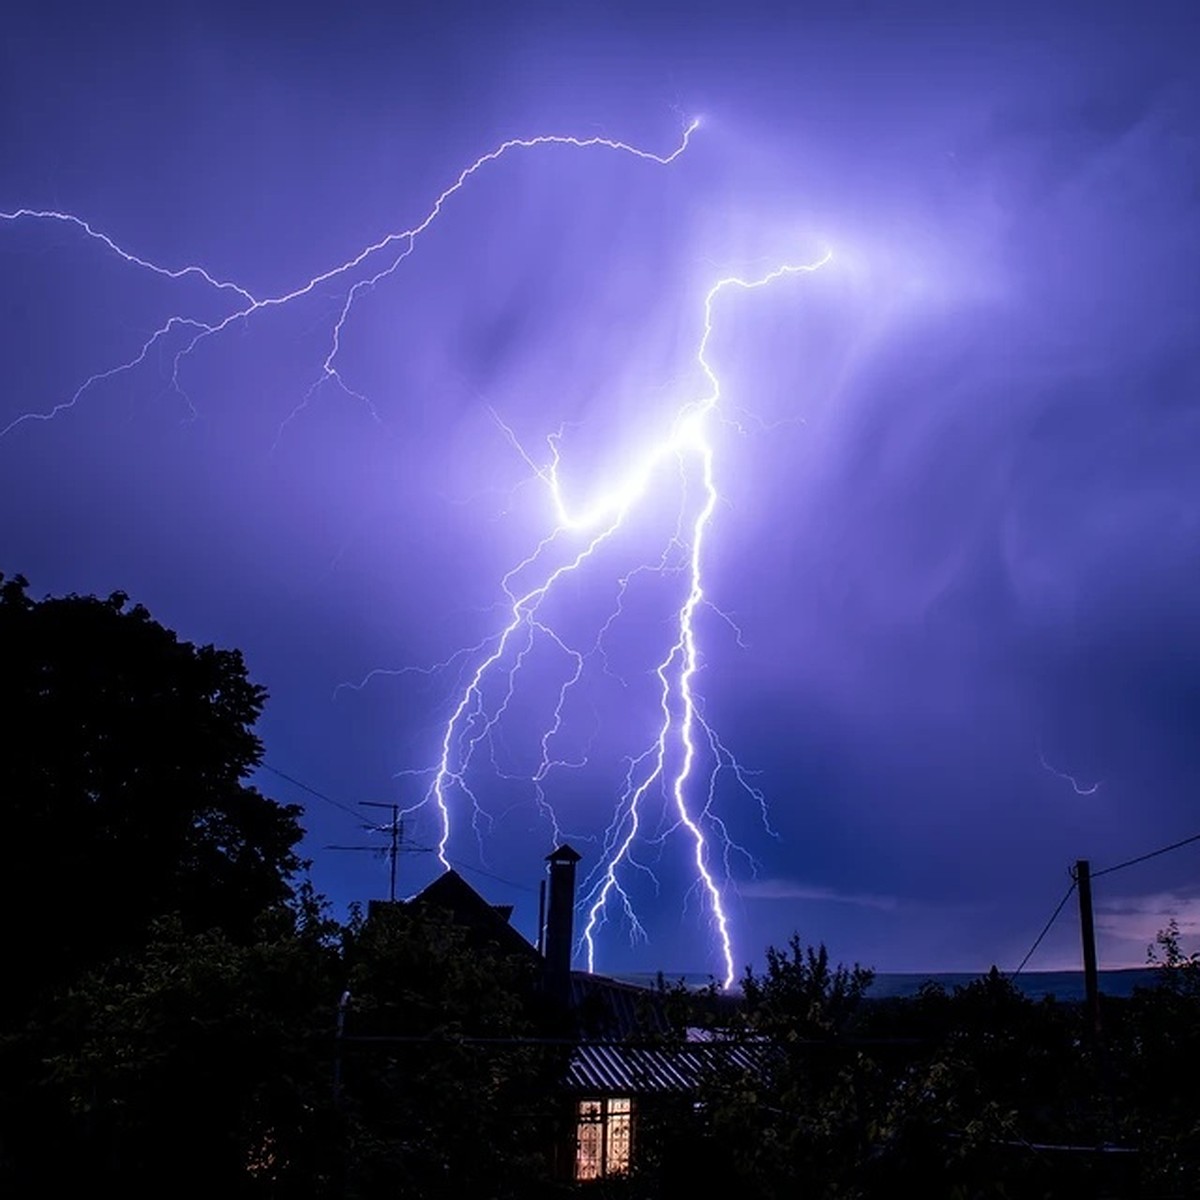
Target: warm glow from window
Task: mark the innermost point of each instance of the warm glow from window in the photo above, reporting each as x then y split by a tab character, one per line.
261	1158
603	1137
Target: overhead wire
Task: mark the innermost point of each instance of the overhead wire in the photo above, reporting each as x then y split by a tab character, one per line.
1045	930
1129	862
312	791
319	795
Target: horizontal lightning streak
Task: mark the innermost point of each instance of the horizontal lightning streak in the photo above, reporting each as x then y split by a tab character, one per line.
133	260
406	238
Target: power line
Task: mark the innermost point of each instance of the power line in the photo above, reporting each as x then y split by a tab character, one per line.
498	878
1045	930
312	791
1129	862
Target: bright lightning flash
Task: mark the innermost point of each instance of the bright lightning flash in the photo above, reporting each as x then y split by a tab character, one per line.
669	763
688	444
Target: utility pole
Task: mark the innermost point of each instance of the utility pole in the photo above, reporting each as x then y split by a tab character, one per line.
396	844
397	831
1091	982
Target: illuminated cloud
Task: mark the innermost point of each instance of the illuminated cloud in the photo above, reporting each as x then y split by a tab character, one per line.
958	505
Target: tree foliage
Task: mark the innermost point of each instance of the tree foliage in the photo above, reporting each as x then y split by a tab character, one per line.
979	1092
155	891
123	786
801	995
199	1056
446	1088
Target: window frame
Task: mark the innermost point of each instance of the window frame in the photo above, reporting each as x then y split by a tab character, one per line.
610	1113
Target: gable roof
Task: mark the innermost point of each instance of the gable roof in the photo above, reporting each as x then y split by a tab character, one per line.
483	922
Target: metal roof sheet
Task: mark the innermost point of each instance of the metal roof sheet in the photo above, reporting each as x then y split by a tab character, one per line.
637	1070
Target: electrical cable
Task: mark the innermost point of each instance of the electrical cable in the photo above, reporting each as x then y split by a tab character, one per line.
304	787
1045	930
358	817
1129	862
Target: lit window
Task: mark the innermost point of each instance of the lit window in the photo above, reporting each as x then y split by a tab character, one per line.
603	1137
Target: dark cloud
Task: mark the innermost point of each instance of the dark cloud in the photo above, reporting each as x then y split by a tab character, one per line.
962	510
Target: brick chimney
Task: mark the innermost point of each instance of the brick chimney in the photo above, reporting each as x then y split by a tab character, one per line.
560	922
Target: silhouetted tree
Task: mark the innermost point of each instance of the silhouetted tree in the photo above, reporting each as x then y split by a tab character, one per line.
1154	1050
437	1111
801	995
196	1062
122	788
843	1097
141	880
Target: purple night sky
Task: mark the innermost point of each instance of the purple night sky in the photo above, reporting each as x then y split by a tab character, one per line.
955	567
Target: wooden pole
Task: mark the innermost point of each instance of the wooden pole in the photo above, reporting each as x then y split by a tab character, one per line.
1087	930
397	831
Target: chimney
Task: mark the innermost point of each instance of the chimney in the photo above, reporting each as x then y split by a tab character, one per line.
560	922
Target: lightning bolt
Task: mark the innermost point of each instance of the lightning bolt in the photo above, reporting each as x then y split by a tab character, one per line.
1078	788
670	761
670	764
380	259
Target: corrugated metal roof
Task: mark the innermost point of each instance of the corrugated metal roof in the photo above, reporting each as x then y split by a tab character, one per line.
636	1070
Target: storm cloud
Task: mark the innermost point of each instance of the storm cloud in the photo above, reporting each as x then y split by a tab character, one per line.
960	529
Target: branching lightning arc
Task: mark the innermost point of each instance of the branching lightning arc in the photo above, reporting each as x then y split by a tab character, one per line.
1080	789
682	742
